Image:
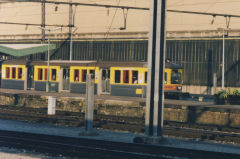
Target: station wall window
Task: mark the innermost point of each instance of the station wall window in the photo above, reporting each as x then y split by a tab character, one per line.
134	77
14	72
45	74
7	72
126	76
40	74
145	77
76	75
117	76
54	74
84	74
20	73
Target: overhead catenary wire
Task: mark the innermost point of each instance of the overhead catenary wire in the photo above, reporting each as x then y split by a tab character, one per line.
227	16
203	3
83	4
175	11
33	24
204	13
110	26
123	7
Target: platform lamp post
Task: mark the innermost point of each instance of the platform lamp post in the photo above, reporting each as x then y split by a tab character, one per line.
48	59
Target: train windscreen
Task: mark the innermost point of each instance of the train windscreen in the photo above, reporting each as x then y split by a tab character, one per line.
176	77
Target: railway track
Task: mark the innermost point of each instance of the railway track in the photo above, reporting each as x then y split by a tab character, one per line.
88	148
199	132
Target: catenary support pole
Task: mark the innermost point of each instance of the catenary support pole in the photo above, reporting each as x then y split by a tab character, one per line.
48	65
43	20
156	65
89	103
70	29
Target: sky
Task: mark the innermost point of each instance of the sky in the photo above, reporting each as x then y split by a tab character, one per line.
97	19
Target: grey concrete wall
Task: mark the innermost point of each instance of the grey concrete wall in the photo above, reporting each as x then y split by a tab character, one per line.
226	116
194	89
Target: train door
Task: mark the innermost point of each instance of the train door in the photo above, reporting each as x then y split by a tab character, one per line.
30	77
105	81
66	79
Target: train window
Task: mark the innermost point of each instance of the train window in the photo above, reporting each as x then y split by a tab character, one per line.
14	72
76	75
117	76
19	73
92	72
40	74
54	74
165	78
175	77
145	77
7	72
134	77
126	76
84	75
46	74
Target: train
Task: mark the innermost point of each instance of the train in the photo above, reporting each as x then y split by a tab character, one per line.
113	78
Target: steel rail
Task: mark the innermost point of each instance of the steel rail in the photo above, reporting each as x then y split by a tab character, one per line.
90	148
210	132
130	122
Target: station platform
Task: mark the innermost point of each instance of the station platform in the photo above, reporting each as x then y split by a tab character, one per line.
104	96
125	137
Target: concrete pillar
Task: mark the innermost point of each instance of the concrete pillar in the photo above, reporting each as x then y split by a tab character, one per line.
99	88
60	85
51	105
89	103
156	66
25	73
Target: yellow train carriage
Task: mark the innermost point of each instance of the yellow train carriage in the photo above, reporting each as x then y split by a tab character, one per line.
114	78
13	76
78	78
130	79
173	80
40	78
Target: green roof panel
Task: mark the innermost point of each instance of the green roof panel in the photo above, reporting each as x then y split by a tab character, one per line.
25	49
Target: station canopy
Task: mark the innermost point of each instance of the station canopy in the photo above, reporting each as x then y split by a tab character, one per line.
24	49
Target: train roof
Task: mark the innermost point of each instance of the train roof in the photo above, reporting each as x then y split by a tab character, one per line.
52	62
88	63
173	65
15	62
